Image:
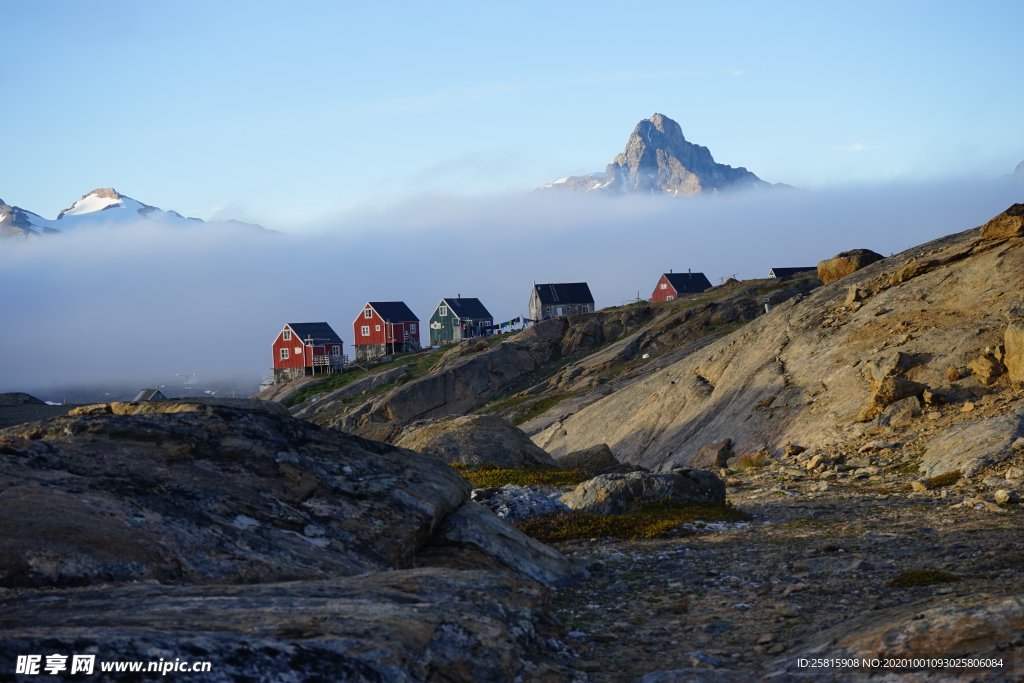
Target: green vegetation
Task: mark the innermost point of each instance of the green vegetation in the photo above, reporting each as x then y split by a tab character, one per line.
652	520
922	577
942	480
419	364
487	477
751	461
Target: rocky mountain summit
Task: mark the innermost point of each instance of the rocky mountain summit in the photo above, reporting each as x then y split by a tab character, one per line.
1020	168
658	159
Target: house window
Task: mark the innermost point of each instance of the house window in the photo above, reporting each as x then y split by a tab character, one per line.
335	350
412	328
287	335
284	354
368	313
662	286
365	329
442	311
669	298
376	328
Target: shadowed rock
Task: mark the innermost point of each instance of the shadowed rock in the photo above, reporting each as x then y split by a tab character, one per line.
476	440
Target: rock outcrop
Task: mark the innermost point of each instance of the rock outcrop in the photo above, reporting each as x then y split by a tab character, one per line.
595	460
474	440
845	263
810	369
658	159
611	494
230	527
1008	224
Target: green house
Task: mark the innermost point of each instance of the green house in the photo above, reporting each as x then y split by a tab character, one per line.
458	318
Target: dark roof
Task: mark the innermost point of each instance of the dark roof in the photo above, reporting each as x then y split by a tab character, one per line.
688	283
393	311
150	395
320	333
467	308
564	293
790	272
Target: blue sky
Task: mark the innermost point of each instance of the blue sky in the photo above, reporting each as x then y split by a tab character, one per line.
292	114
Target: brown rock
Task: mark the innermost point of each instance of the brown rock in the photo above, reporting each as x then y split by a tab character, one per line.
986	368
1014	355
886	392
1009	223
596	460
841	265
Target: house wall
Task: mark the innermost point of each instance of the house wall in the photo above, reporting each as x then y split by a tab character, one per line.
540	311
668	293
295	348
444	329
382	335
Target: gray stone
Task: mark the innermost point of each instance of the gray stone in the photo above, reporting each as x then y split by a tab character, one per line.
713	455
595	460
902	413
611	494
972	446
517	503
475	440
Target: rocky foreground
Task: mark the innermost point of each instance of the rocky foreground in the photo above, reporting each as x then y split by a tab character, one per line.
276	549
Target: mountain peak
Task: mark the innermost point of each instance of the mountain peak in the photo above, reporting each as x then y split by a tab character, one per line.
658	159
1020	168
97	200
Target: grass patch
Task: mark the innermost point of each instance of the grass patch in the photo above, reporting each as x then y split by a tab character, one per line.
806	523
922	577
942	480
419	364
488	477
750	461
652	520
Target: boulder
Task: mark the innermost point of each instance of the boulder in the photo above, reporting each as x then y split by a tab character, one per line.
986	368
475	440
595	460
611	494
516	503
887	391
841	265
1013	358
1009	223
972	446
902	413
713	455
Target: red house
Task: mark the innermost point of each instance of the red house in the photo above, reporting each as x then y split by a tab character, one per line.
383	328
306	349
671	285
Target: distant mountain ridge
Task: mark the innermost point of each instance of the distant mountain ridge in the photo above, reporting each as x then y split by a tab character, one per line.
103	206
1020	168
658	159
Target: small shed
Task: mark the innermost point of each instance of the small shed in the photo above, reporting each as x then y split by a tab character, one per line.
671	285
557	299
457	318
302	349
783	273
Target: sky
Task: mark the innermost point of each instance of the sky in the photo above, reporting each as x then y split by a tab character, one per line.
292	115
393	156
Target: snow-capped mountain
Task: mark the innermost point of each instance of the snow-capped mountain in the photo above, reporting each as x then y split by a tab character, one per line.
102	207
657	159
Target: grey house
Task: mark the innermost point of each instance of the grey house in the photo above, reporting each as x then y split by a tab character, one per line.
458	318
554	300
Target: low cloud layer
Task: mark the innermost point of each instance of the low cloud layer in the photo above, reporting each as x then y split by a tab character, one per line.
135	306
